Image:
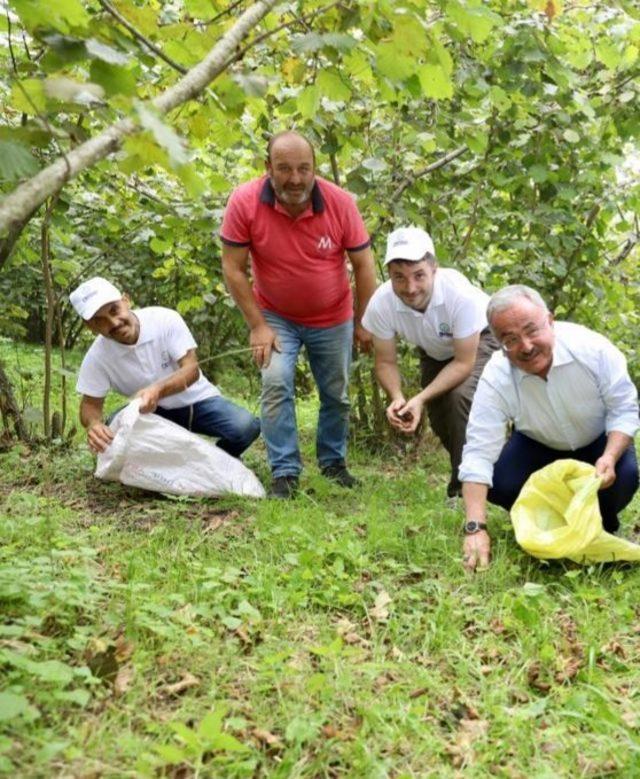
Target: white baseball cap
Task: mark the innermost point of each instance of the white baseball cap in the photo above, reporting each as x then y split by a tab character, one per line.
408	243
92	295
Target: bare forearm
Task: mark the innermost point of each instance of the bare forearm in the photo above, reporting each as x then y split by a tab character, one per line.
90	412
366	284
178	381
240	289
388	375
617	444
449	377
475	500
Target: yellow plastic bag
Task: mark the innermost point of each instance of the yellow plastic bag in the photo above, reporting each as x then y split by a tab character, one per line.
557	515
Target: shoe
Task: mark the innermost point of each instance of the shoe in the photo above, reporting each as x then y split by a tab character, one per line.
340	475
284	487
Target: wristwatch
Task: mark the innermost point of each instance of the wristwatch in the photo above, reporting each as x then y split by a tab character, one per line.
472	526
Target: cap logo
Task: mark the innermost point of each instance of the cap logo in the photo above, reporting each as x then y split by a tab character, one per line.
90	295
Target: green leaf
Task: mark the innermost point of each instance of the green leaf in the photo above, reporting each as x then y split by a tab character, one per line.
392	63
164	135
80	697
211	724
62	15
16	161
191	181
200	9
227	743
186	734
28	97
571	136
309	101
115	80
608	54
434	82
107	54
409	36
332	86
473	19
339	40
307	43
375	164
170	753
539	173
252	84
12	706
158	246
51	671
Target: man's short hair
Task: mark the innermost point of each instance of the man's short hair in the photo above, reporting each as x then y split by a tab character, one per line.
272	140
505	298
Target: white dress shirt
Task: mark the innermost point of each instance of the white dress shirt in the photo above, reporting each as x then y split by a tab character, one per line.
164	339
456	310
587	391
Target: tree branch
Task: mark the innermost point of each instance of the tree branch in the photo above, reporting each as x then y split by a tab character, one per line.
297	20
140	37
409	180
26	198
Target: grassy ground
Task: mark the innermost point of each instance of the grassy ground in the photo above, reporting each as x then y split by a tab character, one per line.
334	635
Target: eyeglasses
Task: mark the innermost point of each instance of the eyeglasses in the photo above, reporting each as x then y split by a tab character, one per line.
512	342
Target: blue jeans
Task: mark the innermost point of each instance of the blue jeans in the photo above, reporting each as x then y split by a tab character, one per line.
522	456
234	427
329	352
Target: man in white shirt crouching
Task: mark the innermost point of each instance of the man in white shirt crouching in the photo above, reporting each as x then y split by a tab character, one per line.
566	393
150	353
444	315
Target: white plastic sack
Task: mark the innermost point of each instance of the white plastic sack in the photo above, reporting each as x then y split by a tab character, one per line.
155	454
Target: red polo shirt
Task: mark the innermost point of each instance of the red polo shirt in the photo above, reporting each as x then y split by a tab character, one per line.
299	265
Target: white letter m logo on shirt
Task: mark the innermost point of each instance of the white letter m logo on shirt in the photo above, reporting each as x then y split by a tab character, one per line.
325	243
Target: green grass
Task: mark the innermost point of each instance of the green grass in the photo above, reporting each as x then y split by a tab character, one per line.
333	635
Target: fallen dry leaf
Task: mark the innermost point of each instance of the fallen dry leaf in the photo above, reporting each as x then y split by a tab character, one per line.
469	731
614	647
380	612
267	738
123	680
533	675
188	680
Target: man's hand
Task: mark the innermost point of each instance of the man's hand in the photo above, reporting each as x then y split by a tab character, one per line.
99	436
606	469
263	340
363	338
476	550
395	420
149	397
405	415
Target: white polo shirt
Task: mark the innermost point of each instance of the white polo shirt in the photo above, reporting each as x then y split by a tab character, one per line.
587	392
456	310
163	340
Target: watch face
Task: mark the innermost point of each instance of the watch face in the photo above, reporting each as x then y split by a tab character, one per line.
472	526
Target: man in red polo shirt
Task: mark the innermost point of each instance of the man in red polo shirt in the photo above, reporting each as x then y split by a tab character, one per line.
296	228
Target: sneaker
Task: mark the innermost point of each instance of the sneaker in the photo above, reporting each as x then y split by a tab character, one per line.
284	487
340	475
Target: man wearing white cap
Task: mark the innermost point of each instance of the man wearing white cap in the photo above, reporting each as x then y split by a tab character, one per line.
441	312
150	353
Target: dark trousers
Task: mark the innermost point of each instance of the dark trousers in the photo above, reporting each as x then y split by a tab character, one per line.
522	456
448	413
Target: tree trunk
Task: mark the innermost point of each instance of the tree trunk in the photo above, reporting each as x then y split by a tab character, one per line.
9	407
